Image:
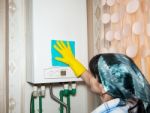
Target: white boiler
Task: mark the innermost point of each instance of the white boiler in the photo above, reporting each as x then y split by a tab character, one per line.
47	22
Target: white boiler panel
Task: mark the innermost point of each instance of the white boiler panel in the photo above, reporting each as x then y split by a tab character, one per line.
47	22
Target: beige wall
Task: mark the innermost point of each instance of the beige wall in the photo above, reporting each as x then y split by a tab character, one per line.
90	28
2	57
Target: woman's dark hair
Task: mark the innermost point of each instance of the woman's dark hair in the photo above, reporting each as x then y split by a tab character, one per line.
148	108
139	106
93	65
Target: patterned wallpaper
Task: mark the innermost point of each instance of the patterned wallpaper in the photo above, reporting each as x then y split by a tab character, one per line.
16	56
123	27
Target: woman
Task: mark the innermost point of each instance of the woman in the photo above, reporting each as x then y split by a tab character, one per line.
123	81
114	77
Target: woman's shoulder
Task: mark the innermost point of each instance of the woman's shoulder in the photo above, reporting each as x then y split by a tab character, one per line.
112	106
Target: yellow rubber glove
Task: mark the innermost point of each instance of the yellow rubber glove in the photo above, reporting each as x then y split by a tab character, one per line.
68	57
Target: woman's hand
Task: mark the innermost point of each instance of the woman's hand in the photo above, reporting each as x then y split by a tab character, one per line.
68	58
65	51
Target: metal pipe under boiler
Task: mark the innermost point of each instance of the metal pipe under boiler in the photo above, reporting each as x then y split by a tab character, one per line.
57	99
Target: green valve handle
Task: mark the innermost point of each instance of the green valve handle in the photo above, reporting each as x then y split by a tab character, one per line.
73	91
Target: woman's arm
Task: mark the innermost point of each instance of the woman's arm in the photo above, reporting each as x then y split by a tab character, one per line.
91	82
76	66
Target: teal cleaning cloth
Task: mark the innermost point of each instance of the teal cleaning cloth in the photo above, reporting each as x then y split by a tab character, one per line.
55	53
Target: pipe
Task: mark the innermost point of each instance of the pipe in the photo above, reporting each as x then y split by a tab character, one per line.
34	94
41	95
68	103
32	104
67	93
40	104
70	92
56	99
61	99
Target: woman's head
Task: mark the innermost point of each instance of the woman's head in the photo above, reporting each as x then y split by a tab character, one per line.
119	76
